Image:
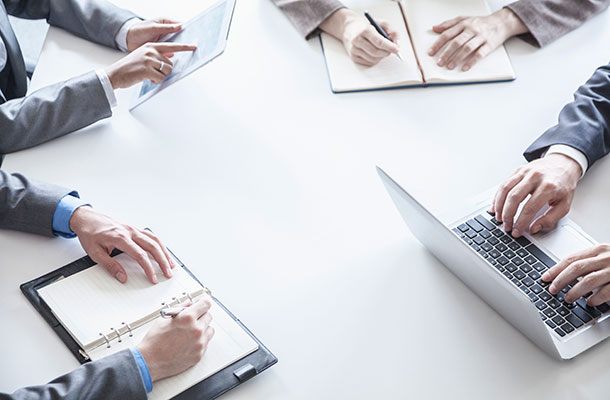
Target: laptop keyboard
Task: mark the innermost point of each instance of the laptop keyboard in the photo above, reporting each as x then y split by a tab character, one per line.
521	262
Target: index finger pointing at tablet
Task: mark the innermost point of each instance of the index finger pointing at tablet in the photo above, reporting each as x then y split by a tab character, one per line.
173	47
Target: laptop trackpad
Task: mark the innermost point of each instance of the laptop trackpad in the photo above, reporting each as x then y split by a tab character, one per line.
565	240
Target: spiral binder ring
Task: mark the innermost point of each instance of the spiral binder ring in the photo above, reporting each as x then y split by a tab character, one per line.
188	295
177	300
106	339
128	329
118	334
207	291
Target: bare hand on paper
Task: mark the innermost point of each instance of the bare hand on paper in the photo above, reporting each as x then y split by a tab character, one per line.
150	31
363	44
150	61
100	235
550	180
470	39
593	265
172	346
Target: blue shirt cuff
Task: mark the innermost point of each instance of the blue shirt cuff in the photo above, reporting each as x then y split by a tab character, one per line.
143	369
63	212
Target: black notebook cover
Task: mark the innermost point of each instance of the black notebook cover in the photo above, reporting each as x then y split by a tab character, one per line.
210	388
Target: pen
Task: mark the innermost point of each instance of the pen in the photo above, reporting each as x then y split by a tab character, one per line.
380	30
172	312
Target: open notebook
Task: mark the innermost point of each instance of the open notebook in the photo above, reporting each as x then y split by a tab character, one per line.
105	316
414	20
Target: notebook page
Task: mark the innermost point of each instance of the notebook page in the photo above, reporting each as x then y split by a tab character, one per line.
422	15
229	344
346	75
91	302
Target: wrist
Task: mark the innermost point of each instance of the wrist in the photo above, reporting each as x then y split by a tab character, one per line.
79	219
148	357
510	23
111	72
336	23
571	168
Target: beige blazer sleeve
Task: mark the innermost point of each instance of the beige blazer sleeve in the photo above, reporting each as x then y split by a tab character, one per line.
307	15
549	19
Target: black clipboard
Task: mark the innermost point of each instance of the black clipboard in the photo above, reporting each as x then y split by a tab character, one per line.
209	388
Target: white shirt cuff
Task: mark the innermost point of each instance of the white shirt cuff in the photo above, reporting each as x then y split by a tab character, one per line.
571	152
121	37
108	90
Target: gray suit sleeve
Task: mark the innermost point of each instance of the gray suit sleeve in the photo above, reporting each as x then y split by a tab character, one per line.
28	206
547	20
584	124
95	20
51	112
113	377
307	15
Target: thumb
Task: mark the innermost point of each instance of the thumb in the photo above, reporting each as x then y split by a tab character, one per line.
549	219
112	266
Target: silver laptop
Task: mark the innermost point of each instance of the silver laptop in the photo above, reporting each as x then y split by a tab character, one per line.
505	272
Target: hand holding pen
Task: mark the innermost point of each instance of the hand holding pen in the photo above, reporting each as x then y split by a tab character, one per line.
363	43
381	31
175	344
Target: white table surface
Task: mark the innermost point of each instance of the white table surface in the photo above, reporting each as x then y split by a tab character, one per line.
263	182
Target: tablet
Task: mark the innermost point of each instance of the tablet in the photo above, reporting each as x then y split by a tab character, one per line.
209	32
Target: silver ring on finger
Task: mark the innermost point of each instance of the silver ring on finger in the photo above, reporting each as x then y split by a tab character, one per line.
161	67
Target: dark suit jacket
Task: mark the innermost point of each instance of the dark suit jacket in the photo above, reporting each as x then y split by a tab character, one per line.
584	123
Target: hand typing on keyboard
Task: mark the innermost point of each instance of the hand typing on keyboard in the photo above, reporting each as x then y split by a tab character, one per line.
550	180
593	265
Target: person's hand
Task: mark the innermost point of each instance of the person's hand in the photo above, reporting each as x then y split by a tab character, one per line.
100	235
550	180
173	345
150	31
470	39
363	44
593	265
150	61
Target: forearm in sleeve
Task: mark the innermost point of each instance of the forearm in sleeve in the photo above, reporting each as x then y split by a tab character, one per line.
584	124
307	15
51	112
113	377
27	205
547	20
95	20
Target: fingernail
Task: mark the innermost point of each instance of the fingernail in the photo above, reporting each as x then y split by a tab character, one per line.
546	276
516	232
536	228
154	278
466	68
440	62
567	299
169	273
451	65
430	51
120	276
553	289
